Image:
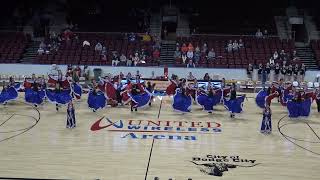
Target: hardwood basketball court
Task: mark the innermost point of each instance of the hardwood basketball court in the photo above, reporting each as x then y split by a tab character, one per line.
155	142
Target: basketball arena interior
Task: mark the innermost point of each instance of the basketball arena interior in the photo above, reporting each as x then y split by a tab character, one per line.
160	90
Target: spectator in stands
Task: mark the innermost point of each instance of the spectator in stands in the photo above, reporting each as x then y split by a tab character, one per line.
204	48
277	71
104	50
177	53
260	69
283	71
115	59
283	55
157	43
259	34
98	47
275	55
229	46
302	72
211	55
197	55
289	72
123	60
190	54
132	37
241	44
86	73
265	33
250	71
197	49
143	55
153	75
40	51
191	64
206	77
138	74
146	37
294	55
296	72
42	45
128	76
190	77
184	58
271	61
136	59
85	43
190	47
156	55
235	45
129	60
268	69
184	48
67	35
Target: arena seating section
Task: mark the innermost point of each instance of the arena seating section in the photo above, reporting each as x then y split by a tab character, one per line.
315	44
12	46
256	51
72	52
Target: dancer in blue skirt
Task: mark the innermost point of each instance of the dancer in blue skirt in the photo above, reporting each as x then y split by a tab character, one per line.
96	99
299	106
140	97
234	104
34	94
266	125
208	99
9	92
181	100
61	94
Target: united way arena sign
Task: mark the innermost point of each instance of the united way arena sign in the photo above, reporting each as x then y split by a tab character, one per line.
156	129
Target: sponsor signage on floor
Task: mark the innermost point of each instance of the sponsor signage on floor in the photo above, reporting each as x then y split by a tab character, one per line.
215	165
157	129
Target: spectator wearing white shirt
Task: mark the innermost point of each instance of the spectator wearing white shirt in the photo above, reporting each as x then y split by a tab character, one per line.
123	59
190	77
229	46
136	59
241	44
211	55
265	33
190	54
115	59
275	55
271	61
98	47
259	34
85	43
235	45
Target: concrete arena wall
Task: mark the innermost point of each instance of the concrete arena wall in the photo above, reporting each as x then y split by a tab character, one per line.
236	74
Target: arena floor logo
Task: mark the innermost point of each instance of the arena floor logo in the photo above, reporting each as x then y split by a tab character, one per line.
157	128
215	165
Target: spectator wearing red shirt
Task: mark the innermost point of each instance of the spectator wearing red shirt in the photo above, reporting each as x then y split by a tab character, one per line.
156	55
190	47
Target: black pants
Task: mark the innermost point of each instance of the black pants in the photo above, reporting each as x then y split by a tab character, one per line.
119	98
318	104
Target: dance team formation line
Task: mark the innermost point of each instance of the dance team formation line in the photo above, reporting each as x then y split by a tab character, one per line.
137	93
